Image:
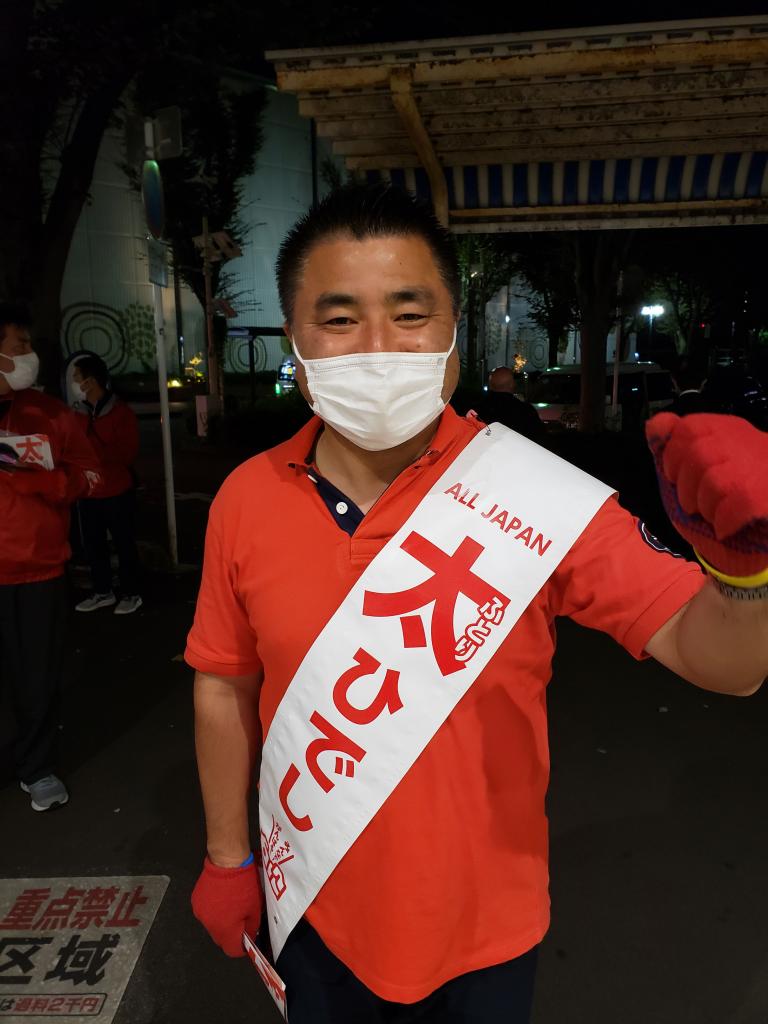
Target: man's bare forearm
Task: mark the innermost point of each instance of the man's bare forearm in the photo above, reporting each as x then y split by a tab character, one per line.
228	743
722	643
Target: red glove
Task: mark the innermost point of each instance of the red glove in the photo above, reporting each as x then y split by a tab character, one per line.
713	475
228	902
50	484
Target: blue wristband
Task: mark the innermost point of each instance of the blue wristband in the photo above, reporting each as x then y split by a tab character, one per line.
247	861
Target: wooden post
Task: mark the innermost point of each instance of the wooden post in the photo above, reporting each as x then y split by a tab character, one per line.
400	82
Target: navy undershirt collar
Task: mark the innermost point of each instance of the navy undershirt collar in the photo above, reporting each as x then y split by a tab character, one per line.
345	512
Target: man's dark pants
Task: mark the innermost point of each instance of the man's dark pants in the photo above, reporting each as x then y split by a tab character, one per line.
322	990
33	619
97	515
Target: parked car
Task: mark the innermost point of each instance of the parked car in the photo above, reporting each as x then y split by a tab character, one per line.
644	389
732	390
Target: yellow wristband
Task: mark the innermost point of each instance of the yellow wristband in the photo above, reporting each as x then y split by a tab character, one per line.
760	579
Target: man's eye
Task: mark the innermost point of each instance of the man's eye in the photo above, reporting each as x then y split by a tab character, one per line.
339	321
410	317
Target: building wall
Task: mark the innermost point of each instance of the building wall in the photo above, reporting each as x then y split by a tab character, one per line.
509	330
106	296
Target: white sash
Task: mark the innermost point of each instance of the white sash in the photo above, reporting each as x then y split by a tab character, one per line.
403	648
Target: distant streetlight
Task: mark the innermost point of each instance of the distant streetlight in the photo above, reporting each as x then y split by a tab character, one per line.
651	312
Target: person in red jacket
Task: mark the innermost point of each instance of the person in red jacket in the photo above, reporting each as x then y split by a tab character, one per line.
46	463
112	428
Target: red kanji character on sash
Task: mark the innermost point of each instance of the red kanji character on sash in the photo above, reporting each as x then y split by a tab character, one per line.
291	777
388	696
332	739
348	752
275	853
28	449
451	575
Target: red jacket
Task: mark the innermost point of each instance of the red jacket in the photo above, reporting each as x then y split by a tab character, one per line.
114	433
35	526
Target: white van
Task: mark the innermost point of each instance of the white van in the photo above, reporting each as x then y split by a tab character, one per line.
644	389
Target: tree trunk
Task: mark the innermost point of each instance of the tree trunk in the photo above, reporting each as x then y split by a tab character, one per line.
554	346
598	258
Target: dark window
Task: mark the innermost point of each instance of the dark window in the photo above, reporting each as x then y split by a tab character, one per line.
557	389
659	387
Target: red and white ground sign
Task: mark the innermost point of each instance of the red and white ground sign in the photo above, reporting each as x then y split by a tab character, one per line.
68	946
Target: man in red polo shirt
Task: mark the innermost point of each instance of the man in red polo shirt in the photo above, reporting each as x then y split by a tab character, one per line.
436	909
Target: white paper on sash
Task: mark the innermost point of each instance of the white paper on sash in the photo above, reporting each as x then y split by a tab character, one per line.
34	450
501	468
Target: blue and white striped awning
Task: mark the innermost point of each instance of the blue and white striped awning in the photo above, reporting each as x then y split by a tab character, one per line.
664	179
655	124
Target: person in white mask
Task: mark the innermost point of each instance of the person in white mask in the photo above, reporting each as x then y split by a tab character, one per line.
374	671
48	465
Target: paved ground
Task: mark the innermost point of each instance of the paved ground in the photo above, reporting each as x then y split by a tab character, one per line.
659	835
658	825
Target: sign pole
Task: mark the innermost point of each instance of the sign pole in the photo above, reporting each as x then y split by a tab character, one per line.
617	354
158	275
165	425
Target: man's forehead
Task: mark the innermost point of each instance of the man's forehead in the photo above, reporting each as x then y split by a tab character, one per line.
14	334
345	250
395	265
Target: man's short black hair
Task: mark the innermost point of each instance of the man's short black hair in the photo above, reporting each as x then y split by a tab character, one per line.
365	211
13	313
93	366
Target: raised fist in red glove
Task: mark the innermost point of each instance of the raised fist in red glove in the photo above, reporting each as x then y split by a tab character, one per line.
228	902
713	475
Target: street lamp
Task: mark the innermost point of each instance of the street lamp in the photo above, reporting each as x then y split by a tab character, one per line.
651	312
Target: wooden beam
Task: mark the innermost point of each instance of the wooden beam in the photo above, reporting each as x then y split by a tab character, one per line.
402	98
704	219
563	92
593	151
705	133
614	209
623	60
641	112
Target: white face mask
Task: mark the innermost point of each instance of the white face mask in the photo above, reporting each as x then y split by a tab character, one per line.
24	372
377	400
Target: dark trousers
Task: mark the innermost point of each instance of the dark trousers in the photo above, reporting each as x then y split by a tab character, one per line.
33	620
322	990
97	516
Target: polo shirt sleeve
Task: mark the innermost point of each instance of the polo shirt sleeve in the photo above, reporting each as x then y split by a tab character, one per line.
221	641
616	580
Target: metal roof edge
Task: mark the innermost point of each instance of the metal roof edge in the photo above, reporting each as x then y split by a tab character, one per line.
549	35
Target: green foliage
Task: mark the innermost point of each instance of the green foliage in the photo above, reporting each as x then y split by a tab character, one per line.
138	324
545	262
222	133
484	266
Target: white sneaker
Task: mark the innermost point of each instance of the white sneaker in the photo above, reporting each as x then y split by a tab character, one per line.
128	605
47	793
90	604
